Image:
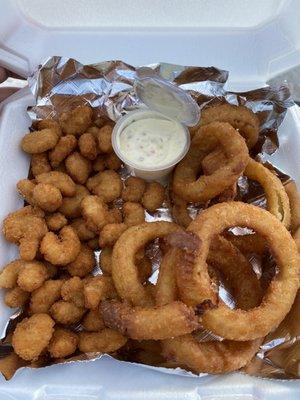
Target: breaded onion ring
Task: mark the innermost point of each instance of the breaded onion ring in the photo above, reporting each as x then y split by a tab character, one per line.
194	282
170	320
124	269
240	117
185	181
211	357
277	199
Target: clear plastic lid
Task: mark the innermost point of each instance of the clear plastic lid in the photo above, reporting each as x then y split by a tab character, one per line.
163	96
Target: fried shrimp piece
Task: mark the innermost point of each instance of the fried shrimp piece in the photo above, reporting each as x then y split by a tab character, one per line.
63	148
92	321
16	297
114	216
71	205
25	188
56	221
105	341
32	275
49	124
105	260
82	230
167	321
94	212
66	312
88	146
240	117
84	263
99	164
39	141
47	197
78	167
63	343
39	164
110	234
113	162
106	184
76	121
133	213
60	249
153	196
43	297
72	290
60	180
134	189
26	229
32	336
9	274
104	139
97	289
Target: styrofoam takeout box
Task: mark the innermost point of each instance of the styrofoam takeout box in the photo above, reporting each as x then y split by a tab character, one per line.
252	39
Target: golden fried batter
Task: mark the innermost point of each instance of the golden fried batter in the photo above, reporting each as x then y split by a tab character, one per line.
78	167
110	234
63	343
153	196
56	221
32	275
88	146
133	213
83	264
72	290
16	297
105	341
60	180
66	312
43	297
39	164
134	189
63	148
39	141
71	205
60	249
32	336
47	197
76	121
104	139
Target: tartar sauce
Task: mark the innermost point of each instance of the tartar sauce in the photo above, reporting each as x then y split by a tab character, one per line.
152	142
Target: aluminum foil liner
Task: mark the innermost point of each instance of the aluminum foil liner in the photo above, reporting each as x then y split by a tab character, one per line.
62	83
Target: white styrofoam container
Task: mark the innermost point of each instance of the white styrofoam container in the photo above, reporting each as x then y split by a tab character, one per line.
253	39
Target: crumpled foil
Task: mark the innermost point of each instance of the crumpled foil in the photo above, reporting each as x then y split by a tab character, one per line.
62	83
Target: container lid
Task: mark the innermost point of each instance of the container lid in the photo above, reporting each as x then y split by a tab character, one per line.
252	39
165	97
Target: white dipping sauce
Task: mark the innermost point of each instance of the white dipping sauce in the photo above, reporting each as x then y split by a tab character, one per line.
152	142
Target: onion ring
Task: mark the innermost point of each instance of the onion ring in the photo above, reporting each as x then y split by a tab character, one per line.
124	269
240	117
294	198
185	182
277	199
211	357
163	322
192	277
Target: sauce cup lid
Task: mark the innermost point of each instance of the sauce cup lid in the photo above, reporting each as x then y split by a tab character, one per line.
163	96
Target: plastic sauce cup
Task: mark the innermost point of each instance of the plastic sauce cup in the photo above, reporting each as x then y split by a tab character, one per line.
152	173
